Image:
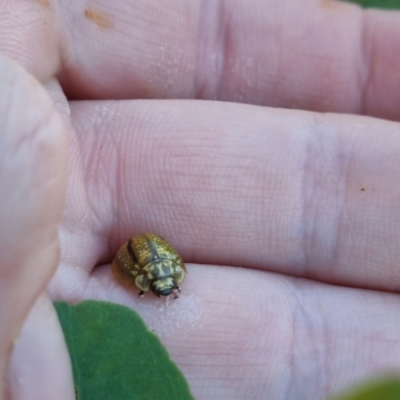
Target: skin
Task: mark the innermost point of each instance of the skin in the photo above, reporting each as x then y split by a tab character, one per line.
305	202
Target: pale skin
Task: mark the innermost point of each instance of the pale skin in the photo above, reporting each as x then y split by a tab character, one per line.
306	203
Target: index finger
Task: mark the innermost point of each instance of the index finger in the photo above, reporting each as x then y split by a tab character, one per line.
314	55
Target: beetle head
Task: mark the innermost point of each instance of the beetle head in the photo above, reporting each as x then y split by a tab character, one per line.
164	286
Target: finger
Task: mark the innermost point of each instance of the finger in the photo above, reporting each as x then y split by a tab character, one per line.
321	56
32	187
293	192
238	333
40	367
318	55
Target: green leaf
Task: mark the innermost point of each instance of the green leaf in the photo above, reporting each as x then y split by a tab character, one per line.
114	355
384	389
391	4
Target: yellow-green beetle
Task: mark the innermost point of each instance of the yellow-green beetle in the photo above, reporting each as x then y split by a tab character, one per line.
151	263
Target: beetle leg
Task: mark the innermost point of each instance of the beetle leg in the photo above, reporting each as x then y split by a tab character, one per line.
175	295
141	293
178	289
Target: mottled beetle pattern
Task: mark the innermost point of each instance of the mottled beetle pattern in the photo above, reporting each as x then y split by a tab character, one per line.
151	263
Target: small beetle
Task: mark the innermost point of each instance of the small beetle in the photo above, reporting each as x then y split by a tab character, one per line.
150	262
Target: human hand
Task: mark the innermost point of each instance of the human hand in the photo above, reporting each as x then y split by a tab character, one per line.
306	203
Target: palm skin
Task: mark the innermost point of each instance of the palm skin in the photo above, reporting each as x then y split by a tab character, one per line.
307	204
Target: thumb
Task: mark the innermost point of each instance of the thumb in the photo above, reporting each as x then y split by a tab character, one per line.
33	173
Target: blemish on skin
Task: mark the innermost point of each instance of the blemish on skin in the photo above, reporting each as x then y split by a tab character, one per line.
45	3
98	18
362	189
331	5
